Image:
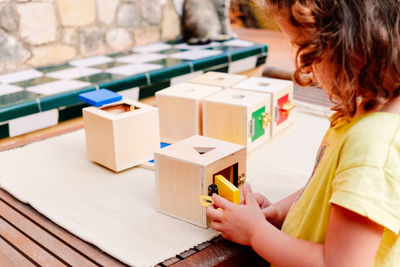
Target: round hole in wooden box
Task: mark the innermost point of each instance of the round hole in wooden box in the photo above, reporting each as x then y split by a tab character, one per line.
119	108
238	96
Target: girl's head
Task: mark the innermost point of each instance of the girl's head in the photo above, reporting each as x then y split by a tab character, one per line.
352	47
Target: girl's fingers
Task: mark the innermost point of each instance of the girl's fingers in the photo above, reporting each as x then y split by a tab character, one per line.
270	212
248	195
217	226
213	213
221	202
259	199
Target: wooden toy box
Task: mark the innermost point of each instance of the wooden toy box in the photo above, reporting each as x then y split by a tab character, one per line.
281	92
240	117
121	135
180	110
185	170
225	80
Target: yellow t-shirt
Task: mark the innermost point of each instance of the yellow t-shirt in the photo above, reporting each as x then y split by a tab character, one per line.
358	168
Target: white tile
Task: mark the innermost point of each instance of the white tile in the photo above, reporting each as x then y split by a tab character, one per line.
196	47
20	76
33	122
239	43
92	61
195	54
57	87
6	89
73	73
151	48
186	77
132	94
242	64
132	69
140	58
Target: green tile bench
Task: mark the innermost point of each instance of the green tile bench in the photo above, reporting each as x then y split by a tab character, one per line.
37	98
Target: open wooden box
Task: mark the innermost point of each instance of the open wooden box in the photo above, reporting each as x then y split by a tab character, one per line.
185	171
121	135
281	92
180	110
240	117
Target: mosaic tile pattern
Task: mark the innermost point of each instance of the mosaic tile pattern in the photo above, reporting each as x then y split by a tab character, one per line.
91	61
20	76
195	54
140	58
148	68
132	69
73	73
57	87
6	89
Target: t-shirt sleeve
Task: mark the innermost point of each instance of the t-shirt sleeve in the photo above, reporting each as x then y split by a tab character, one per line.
367	180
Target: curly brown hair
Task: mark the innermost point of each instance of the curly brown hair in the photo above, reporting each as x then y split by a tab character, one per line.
361	40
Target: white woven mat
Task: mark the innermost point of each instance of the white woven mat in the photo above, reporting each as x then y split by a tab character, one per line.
116	212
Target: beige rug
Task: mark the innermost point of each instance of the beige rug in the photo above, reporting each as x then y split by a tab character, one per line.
116	212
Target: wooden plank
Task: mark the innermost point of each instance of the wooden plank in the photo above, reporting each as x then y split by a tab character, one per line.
170	261
223	253
91	252
40	236
187	253
211	256
11	257
27	247
203	246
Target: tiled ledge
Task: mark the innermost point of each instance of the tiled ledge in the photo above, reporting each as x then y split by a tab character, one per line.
32	94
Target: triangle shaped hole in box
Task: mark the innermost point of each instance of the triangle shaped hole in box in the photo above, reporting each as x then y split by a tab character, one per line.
203	150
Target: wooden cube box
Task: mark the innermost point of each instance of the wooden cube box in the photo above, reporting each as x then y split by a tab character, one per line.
121	135
225	80
180	110
281	92
185	170
236	116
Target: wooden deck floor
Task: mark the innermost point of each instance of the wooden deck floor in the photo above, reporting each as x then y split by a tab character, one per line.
27	238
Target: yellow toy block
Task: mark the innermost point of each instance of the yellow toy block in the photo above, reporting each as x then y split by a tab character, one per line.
227	190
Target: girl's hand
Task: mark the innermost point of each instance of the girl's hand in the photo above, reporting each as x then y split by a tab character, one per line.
271	212
237	222
262	201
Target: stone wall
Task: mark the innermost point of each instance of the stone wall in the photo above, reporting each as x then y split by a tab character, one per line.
36	33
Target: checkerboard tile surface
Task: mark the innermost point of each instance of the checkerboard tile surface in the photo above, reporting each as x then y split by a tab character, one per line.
33	91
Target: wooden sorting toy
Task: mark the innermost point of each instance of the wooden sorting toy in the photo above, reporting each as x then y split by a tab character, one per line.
189	169
122	134
181	110
281	92
240	117
225	80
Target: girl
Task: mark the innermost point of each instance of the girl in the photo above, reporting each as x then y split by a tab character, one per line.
349	212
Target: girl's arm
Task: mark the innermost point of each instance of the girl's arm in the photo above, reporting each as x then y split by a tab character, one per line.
352	240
